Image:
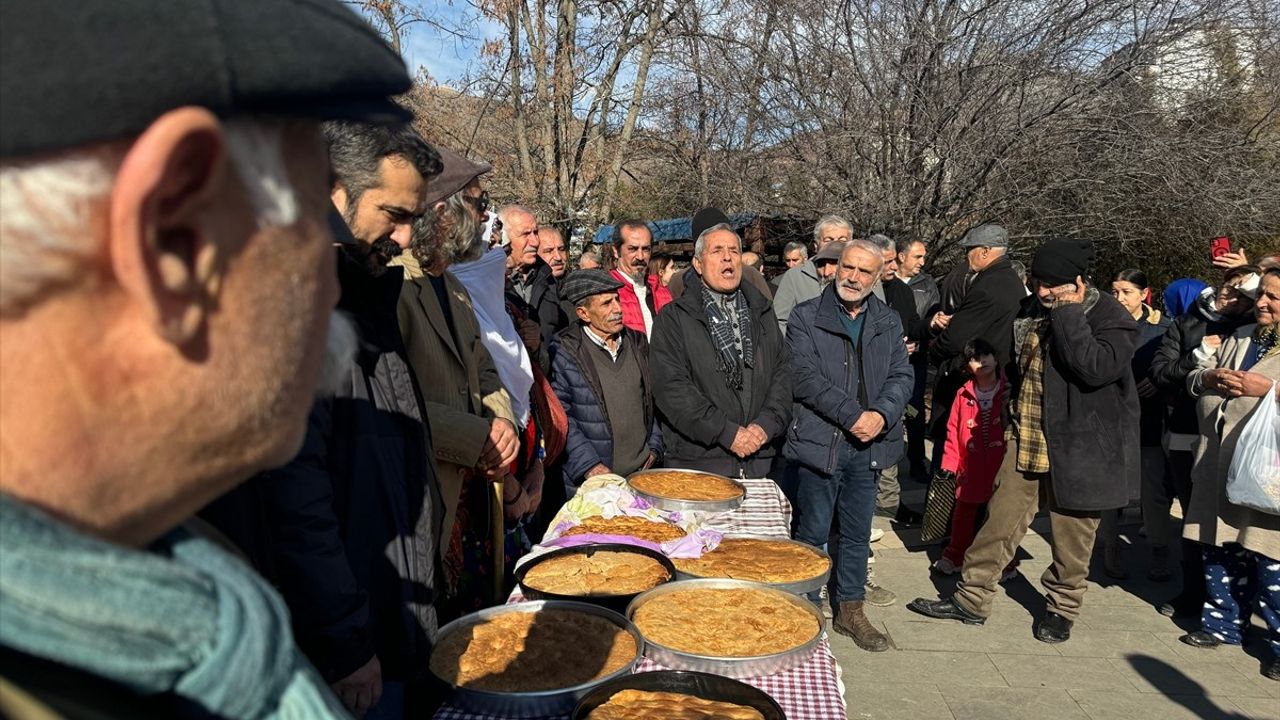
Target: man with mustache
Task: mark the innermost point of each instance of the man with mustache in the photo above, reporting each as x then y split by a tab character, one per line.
166	274
721	373
600	372
642	295
349	529
551	250
852	380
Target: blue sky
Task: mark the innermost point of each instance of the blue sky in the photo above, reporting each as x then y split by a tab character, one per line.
444	54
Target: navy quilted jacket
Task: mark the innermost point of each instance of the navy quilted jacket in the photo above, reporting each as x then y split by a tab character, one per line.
577	384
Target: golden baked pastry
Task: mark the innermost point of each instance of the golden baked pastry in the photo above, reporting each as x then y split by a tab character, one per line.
645	705
604	572
766	561
725	622
637	527
682	485
533	651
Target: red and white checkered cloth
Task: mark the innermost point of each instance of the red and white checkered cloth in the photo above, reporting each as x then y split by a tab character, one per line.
810	691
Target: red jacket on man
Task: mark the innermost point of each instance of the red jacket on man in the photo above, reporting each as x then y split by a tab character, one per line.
632	316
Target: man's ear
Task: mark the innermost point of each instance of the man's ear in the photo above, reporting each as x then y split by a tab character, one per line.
581	311
697	265
162	251
340	199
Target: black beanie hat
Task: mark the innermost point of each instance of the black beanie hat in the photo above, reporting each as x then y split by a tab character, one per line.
1059	262
706	218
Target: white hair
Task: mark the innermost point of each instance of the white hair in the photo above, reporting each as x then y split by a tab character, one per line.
832	221
867	246
45	206
700	243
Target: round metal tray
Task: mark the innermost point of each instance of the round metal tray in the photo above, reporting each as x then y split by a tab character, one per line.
678	505
544	702
617	603
703	685
734	667
798	587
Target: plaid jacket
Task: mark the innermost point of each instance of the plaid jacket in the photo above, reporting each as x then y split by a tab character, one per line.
1033	448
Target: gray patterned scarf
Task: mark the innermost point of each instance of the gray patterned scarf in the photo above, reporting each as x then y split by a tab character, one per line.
729	357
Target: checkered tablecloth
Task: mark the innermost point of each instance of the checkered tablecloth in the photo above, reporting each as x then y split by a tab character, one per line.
811	691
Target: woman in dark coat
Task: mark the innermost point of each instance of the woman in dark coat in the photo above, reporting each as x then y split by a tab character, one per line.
1130	287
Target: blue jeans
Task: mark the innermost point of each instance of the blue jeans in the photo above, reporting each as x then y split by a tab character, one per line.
850	492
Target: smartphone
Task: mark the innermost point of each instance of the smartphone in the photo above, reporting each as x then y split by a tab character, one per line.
1219	246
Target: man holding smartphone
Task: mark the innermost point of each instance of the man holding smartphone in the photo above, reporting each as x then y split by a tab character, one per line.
1072	445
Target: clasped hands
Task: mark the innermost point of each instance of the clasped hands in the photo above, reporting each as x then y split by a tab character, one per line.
1236	383
749	440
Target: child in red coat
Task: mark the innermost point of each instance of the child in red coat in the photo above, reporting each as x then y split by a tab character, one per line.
974	447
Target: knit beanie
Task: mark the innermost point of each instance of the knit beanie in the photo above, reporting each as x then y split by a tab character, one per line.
1059	262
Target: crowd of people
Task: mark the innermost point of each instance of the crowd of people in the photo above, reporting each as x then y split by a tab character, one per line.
210	510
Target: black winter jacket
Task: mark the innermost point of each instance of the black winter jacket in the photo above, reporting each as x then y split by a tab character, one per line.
1172	362
577	384
1090	402
986	311
826	377
348	530
543	306
1151	330
699	412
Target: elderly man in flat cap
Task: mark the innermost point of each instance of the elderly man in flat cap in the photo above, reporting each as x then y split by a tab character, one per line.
166	281
600	372
992	292
1074	445
721	371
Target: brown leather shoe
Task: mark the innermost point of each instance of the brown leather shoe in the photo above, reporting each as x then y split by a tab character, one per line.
853	622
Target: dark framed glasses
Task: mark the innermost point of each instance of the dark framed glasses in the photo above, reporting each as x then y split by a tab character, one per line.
481	203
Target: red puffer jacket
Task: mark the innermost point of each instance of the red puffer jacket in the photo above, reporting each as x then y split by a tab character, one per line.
974	450
632	316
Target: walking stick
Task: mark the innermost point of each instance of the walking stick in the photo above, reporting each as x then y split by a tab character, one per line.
499	547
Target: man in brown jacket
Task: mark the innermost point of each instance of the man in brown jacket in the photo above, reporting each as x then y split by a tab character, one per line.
473	427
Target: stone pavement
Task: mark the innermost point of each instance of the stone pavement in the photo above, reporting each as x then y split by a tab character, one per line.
1123	661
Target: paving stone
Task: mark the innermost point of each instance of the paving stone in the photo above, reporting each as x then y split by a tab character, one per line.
891	701
1124	617
1061	672
1091	642
952	636
1099	705
1177	677
1258	708
971	668
970	703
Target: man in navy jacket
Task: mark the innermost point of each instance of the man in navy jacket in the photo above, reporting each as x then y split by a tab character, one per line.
851	382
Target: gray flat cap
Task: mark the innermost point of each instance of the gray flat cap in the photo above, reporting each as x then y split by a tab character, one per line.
829	253
76	72
989	235
581	284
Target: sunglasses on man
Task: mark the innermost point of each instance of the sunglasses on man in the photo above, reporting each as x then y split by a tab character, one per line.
480	203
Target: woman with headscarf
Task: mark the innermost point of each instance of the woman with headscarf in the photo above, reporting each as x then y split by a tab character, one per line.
1241	545
1215	313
